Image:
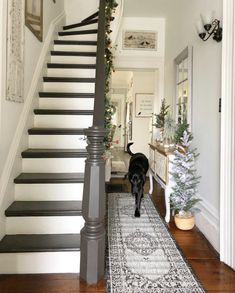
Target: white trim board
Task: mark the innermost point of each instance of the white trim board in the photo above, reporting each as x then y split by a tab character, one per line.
227	162
207	222
13	162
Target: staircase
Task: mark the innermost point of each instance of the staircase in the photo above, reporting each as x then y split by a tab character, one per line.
44	222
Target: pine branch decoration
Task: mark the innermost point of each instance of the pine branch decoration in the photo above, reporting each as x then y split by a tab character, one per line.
184	173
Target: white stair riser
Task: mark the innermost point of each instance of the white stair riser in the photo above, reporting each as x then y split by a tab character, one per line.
85	27
71	87
67	103
44	225
68	72
40	262
73	59
75	48
87	37
50	192
53	165
58	141
63	121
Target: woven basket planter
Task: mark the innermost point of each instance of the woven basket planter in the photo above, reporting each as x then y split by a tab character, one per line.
184	222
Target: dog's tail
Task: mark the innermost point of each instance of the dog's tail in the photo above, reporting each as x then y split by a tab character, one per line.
128	148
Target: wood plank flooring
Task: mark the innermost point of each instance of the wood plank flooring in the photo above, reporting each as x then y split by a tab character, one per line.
214	275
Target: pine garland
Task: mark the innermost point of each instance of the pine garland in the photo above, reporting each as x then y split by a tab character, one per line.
110	109
183	198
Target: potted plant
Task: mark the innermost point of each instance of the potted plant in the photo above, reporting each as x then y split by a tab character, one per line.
169	132
160	119
183	198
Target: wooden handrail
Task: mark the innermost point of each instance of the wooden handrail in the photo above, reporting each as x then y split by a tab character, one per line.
98	119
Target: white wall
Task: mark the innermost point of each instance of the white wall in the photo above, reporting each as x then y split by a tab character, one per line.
180	32
143	82
10	112
77	10
141	58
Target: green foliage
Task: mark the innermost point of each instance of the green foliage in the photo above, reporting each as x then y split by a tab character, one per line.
169	129
160	118
180	131
109	67
184	173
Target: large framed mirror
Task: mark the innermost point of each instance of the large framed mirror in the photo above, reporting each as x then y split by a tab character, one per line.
34	17
183	73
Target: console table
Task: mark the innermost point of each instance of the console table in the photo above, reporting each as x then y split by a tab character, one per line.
159	168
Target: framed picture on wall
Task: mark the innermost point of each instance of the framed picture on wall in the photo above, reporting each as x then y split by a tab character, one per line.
139	40
34	17
144	105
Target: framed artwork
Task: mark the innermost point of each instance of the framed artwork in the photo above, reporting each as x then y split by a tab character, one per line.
34	17
140	40
144	105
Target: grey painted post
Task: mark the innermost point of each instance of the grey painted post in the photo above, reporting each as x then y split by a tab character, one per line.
93	233
92	262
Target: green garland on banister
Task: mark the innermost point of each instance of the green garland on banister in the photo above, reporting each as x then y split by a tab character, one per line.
110	109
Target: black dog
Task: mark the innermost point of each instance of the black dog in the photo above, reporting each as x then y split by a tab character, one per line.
138	167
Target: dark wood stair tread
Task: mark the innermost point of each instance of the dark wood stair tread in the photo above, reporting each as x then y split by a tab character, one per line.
65	95
80	32
68	79
54	153
84	23
44	208
47	178
40	243
94	15
62	112
71	66
73	53
73	42
55	131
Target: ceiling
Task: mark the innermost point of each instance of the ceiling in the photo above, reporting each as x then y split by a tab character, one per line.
147	8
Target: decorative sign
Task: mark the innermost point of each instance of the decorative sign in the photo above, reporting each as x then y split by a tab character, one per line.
15	51
140	40
143	105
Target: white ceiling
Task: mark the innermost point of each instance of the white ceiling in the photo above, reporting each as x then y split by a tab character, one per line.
147	8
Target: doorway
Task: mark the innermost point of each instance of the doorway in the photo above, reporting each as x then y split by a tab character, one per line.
130	89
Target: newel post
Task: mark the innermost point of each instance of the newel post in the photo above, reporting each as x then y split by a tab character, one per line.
92	264
93	233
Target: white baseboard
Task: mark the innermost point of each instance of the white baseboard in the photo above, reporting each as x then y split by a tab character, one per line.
13	162
207	222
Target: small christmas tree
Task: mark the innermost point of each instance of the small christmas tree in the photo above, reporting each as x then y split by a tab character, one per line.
183	198
180	131
160	118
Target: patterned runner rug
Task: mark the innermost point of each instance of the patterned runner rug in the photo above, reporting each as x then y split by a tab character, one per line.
142	255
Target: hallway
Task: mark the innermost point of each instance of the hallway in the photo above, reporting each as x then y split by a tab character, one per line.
214	275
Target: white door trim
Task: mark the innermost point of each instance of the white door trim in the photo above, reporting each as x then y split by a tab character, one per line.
227	176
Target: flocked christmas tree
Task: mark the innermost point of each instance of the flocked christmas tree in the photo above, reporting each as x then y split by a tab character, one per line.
183	198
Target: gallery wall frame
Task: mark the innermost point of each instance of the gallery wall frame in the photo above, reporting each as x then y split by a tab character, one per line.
34	17
139	40
144	105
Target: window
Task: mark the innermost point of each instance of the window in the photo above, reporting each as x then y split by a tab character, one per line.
183	65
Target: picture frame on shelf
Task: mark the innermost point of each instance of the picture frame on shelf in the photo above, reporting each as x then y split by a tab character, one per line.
140	40
144	105
34	17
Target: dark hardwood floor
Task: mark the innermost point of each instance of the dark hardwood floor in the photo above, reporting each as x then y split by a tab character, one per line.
214	275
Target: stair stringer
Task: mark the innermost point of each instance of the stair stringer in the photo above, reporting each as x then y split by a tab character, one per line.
13	165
